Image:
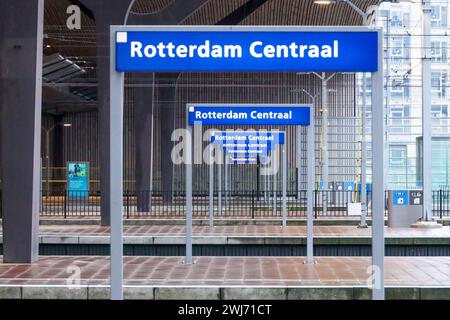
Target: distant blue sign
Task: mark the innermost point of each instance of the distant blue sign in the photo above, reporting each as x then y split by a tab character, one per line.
246	160
78	179
400	197
368	187
248	146
349	185
247	50
249	115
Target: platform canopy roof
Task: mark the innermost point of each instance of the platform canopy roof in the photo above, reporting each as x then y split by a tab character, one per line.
79	46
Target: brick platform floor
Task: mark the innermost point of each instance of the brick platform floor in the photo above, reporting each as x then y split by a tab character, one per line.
230	271
249	230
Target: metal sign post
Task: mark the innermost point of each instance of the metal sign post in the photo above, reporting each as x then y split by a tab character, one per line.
311	177
211	188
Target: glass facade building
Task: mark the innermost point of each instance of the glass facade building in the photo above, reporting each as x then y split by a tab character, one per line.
402	24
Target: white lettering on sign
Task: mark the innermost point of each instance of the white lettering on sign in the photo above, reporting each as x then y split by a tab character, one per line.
230	115
257	49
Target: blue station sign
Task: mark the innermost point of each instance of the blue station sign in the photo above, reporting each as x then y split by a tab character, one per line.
249	115
252	50
248	146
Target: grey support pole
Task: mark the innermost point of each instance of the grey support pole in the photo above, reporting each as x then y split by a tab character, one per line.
284	186
362	222
275	171
115	142
311	169
284	155
107	13
325	143
298	159
21	32
426	115
219	185
225	179
378	113
188	148
211	187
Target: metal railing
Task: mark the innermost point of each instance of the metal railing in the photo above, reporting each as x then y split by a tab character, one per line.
246	205
227	204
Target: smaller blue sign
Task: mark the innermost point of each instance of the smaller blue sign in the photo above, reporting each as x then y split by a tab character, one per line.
248	146
400	197
249	115
246	160
368	187
349	185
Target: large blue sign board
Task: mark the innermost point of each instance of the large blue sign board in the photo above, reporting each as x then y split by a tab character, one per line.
252	50
78	179
400	197
249	115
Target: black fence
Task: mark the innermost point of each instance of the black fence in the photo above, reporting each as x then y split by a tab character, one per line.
227	204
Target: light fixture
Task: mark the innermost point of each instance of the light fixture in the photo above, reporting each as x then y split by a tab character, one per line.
67	125
323	2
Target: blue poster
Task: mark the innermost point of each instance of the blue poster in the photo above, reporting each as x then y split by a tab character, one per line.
78	179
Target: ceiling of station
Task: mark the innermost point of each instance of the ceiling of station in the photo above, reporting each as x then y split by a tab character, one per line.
80	45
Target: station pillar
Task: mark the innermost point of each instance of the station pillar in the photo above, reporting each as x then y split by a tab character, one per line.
20	101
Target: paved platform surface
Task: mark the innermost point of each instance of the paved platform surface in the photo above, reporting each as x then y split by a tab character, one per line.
250	230
226	278
239	234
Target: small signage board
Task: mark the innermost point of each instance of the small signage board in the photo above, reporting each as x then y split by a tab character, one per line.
339	186
78	179
415	197
400	197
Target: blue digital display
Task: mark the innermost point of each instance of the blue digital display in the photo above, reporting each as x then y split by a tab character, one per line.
249	115
338	51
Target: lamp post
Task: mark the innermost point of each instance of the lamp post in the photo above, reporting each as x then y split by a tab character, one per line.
47	151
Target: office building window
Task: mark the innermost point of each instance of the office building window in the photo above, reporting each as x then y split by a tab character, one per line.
397	155
399	49
439	51
439	80
439	111
399	19
399	118
438	16
400	89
